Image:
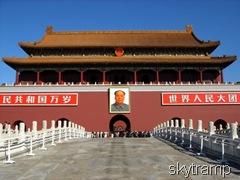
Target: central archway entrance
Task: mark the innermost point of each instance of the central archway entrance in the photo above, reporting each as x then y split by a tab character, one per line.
119	123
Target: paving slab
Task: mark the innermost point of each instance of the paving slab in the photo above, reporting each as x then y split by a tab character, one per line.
110	158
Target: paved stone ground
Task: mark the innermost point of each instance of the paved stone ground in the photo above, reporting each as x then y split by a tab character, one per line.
118	158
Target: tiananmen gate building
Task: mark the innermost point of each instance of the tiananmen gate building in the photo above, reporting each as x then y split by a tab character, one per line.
119	80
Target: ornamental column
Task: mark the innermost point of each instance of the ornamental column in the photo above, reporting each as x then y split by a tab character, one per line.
17	77
59	77
201	76
221	73
81	76
135	76
220	76
104	76
179	76
38	77
157	76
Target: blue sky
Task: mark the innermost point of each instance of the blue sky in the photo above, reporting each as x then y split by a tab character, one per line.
26	20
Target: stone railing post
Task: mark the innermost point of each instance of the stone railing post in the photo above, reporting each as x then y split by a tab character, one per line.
65	129
22	131
182	123
75	130
53	132
16	130
171	129
52	124
168	124
176	123
79	131
34	128
164	124
162	129
211	129
83	132
70	129
199	127
44	128
44	125
158	130
220	127
165	130
59	131
234	131
176	129
190	125
172	123
228	126
9	130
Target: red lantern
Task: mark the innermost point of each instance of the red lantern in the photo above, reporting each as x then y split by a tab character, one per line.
119	52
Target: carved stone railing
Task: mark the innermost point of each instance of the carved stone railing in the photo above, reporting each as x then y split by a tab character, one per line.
225	146
18	141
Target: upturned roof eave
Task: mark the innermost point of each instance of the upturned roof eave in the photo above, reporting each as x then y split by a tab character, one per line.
117	60
211	44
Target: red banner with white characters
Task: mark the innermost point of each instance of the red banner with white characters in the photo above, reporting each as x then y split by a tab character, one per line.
200	98
38	99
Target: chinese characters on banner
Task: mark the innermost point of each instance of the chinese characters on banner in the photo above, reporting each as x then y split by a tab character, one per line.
200	98
38	99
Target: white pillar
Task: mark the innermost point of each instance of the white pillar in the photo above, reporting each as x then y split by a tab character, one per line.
65	129
9	130
190	125
52	124
22	128
164	124
53	132
79	131
83	132
234	131
59	131
182	123
172	123
70	129
177	123
22	131
161	125
44	125
16	130
199	127
220	127
228	126
75	130
168	125
59	124
211	129
34	128
64	123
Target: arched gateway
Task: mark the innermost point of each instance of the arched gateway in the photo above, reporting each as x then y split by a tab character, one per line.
119	123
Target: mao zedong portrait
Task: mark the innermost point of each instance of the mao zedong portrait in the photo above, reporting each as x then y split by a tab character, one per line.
119	104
